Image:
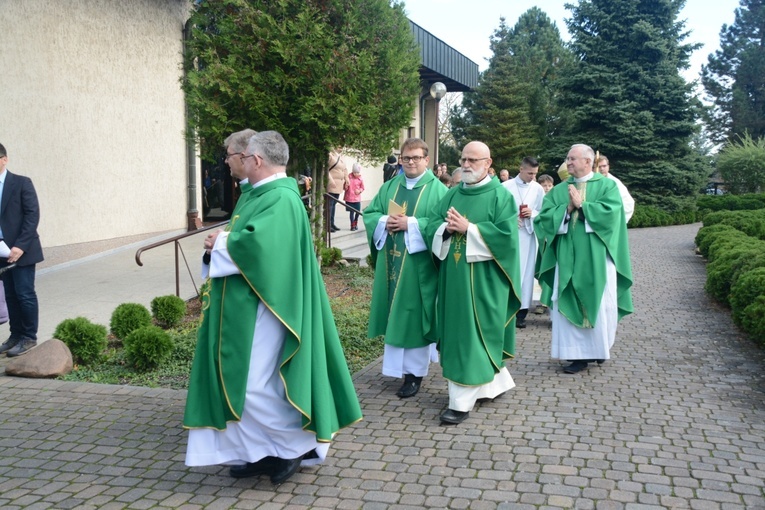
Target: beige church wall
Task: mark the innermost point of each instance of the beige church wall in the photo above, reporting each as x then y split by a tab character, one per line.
92	111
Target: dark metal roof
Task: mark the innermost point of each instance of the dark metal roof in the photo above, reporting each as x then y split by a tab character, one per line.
441	62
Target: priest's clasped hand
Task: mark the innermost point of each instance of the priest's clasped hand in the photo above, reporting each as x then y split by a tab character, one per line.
397	223
455	222
210	240
575	199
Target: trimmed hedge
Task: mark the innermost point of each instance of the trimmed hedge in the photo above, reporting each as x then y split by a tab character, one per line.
652	216
749	222
736	268
711	203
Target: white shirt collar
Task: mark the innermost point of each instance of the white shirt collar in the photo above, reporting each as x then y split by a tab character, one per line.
278	175
585	178
410	183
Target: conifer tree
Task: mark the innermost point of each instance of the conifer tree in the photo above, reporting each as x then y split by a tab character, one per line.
324	73
512	107
627	98
734	76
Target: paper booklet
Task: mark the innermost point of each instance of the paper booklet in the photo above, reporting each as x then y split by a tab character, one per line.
394	209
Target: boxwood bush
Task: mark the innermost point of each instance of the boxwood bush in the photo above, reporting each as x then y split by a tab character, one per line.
128	317
86	340
147	347
168	311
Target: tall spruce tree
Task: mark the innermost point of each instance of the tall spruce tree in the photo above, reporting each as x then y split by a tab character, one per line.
324	73
627	99
511	109
734	76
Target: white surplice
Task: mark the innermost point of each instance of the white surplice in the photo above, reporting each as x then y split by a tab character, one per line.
627	201
532	194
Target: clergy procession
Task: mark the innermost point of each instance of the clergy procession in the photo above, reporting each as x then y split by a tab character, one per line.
454	276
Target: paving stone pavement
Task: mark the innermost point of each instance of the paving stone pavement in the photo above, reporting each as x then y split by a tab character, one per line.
675	420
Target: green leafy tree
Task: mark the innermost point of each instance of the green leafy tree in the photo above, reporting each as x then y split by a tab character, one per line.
324	73
627	99
734	76
512	109
742	165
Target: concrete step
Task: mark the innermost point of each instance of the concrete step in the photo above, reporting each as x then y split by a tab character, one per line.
353	244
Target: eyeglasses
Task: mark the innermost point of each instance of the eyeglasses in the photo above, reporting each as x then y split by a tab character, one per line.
249	156
229	156
471	161
412	159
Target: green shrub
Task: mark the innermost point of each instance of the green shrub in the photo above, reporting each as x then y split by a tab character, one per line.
128	317
652	216
147	347
721	270
711	203
753	319
168	311
749	222
748	287
707	235
329	256
726	241
85	340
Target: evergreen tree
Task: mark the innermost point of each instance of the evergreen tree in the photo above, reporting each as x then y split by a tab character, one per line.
512	107
324	73
734	77
627	99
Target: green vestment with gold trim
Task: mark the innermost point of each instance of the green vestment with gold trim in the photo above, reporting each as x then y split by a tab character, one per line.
581	256
403	306
478	301
270	242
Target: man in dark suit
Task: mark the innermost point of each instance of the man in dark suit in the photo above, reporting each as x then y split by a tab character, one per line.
19	216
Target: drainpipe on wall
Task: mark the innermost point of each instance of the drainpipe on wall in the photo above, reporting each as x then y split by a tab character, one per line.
192	215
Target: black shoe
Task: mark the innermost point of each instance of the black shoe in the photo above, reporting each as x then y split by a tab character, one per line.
410	387
600	361
454	417
264	466
8	345
520	319
285	468
23	347
575	367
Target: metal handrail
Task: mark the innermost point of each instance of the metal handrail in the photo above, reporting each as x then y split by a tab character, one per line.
178	247
327	218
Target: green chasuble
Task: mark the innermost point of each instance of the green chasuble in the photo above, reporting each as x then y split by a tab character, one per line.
270	242
581	256
403	306
477	302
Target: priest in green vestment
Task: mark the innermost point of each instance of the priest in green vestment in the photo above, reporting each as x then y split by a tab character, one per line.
474	234
403	304
584	258
269	386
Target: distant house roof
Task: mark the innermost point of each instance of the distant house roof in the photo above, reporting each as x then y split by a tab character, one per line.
441	62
